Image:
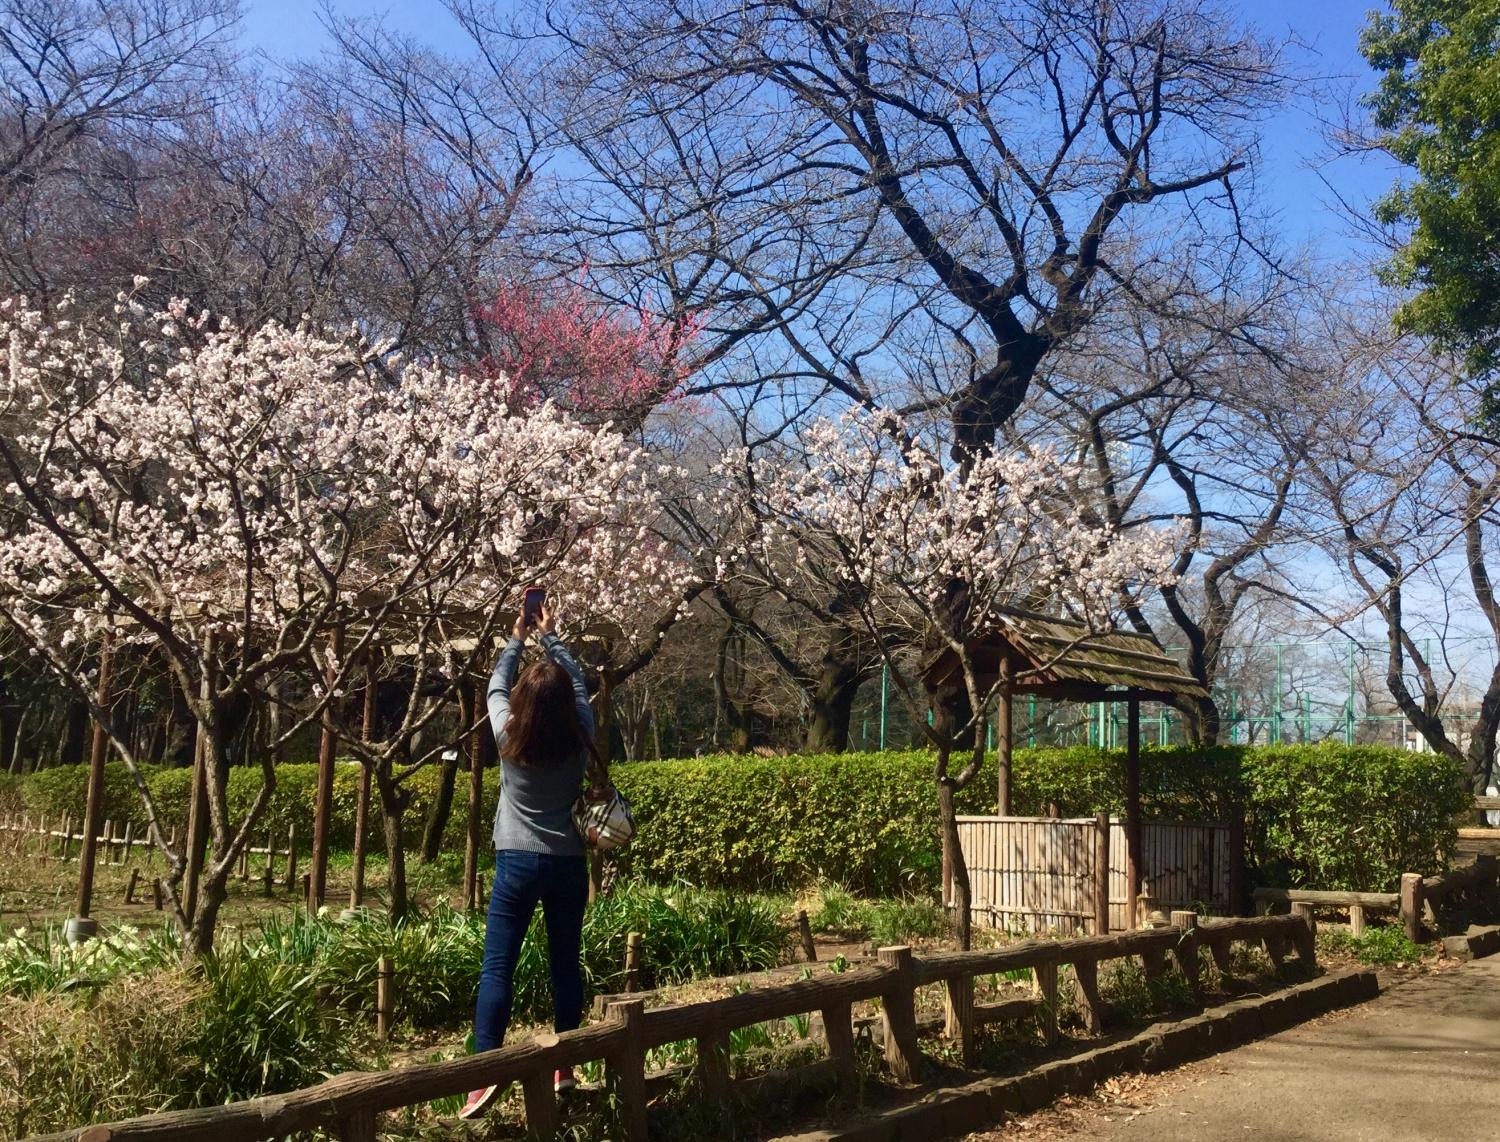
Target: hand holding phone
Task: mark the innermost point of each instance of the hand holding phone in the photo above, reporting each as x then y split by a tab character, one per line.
531	607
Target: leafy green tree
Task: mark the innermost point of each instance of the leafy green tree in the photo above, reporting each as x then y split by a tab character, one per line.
1438	106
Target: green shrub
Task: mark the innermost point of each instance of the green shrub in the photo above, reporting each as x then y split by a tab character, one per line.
1328	815
891	922
1377	946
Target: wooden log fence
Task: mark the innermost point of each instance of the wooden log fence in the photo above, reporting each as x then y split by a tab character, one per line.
1416	903
350	1105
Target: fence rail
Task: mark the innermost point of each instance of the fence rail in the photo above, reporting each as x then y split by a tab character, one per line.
349	1104
1416	902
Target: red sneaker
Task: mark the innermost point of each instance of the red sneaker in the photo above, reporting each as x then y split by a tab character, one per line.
479	1102
563	1080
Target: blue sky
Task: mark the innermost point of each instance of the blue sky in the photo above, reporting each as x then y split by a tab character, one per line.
1298	180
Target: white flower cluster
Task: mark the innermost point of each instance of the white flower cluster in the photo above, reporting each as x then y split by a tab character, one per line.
239	481
897	527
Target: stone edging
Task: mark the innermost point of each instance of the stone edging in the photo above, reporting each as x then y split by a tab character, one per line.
984	1104
1476	944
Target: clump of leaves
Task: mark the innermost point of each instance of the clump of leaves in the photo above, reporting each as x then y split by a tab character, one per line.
1378	947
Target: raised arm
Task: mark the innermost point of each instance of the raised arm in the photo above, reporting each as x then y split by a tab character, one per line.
501	680
559	654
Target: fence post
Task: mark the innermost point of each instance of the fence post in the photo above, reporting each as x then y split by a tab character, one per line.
804	929
958	1015
1356	920
383	970
156	893
358	1127
1046	983
839	1030
898	1015
135	876
1101	873
1086	995
626	1066
1411	905
633	961
713	1065
1186	949
1306	940
541	1104
125	851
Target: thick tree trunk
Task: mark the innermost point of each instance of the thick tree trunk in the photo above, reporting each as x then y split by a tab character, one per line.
75	734
832	707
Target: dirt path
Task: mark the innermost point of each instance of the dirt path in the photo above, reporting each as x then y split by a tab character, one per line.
1417	1064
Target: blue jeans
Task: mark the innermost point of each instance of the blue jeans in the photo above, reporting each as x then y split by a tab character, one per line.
561	884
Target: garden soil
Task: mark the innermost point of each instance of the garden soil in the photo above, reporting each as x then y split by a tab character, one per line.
1416	1064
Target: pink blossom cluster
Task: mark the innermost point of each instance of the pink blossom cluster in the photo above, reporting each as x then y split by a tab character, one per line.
865	507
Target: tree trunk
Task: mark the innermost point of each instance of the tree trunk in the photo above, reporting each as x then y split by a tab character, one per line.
442	809
211	895
832	707
393	802
75	733
953	858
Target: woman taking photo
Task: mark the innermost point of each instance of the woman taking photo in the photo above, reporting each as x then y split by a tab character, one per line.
543	726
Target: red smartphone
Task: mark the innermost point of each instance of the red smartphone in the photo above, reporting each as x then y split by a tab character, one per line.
531	605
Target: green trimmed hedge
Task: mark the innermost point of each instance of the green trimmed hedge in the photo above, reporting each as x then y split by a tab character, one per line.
1328	815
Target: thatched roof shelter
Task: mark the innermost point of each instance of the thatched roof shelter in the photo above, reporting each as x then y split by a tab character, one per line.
1059	658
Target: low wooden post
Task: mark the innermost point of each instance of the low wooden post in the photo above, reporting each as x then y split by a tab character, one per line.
1101	874
713	1066
1086	995
804	930
245	863
125	849
633	961
1045	976
541	1104
626	1066
1185	951
383	972
1154	963
156	893
839	1030
135	876
67	836
291	857
267	880
307	892
358	1127
958	1016
1223	959
1306	940
1411	905
898	1015
1356	920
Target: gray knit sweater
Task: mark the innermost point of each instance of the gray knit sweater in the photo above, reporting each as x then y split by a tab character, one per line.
535	813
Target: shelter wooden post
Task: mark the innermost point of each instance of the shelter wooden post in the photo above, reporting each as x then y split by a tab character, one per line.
362	803
98	750
323	804
1101	873
1132	810
1004	741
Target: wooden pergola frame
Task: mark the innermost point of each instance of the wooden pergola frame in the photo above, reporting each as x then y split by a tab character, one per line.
1050	657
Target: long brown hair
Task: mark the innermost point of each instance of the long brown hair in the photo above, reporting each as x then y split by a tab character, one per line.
544	727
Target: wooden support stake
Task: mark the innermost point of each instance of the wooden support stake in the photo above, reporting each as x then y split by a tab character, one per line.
1045	976
135	876
1154	963
898	1015
713	1066
291	857
245	863
1356	920
383	998
1086	995
1101	874
1411	905
839	1030
541	1104
125	849
804	929
307	892
633	961
958	1016
1185	952
626	1067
